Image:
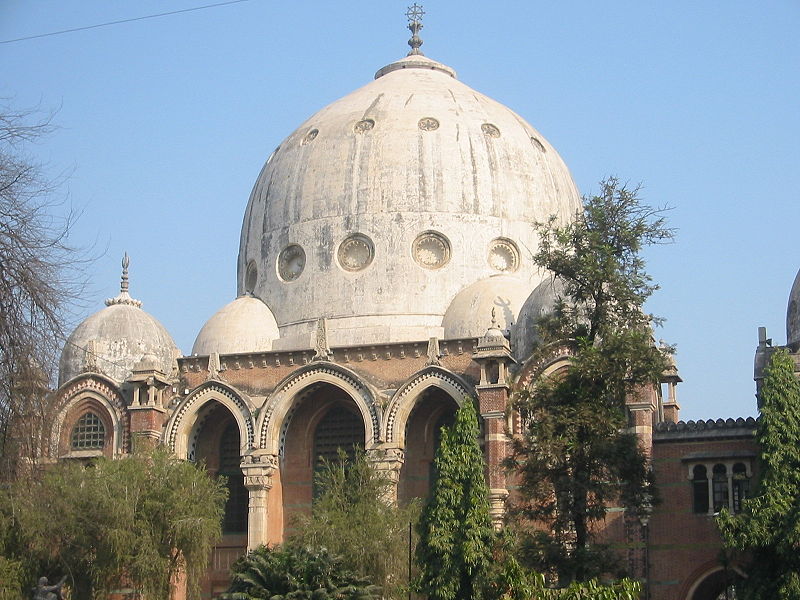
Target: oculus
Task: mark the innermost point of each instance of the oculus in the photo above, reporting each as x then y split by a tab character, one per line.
503	255
310	136
291	262
538	145
356	252
428	124
431	250
490	130
363	125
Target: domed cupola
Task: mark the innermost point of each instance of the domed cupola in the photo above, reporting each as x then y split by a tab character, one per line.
381	207
793	316
116	339
244	325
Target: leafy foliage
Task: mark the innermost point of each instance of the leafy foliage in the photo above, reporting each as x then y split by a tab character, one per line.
456	535
576	455
296	572
354	519
768	528
142	519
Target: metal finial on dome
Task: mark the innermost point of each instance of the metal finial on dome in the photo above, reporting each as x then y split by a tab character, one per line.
124	297
414	14
123	286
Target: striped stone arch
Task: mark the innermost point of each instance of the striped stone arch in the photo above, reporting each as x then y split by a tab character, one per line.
404	399
543	364
708	580
104	394
184	417
280	405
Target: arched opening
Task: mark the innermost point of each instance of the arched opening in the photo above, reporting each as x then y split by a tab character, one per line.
324	420
433	410
717	585
216	442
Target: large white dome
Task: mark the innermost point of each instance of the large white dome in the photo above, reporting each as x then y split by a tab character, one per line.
382	206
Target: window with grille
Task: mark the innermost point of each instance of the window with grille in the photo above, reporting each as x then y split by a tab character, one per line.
235	519
88	433
339	429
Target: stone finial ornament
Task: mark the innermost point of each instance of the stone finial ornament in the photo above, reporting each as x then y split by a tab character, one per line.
434	354
124	297
321	349
414	15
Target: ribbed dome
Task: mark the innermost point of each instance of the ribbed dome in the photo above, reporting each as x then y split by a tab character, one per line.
115	339
793	315
382	206
244	325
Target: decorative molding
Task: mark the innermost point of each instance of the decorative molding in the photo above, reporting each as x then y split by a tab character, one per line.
410	390
97	387
316	372
201	395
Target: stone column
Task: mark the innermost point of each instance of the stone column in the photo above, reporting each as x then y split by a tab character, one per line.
388	461
258	470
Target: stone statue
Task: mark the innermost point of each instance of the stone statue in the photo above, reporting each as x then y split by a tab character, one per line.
48	592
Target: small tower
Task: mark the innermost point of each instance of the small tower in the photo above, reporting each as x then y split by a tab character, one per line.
493	354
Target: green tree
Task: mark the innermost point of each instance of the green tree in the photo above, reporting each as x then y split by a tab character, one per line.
576	455
297	573
456	537
768	528
140	520
354	518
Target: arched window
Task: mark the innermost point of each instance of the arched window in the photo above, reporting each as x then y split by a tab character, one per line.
235	519
89	433
700	489
720	486
339	429
741	486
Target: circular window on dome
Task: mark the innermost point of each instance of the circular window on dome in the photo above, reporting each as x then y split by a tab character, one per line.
291	262
356	252
539	145
503	255
428	124
490	130
363	125
310	136
431	250
251	277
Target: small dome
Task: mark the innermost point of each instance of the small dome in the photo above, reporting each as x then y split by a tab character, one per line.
115	340
793	315
539	303
244	325
470	312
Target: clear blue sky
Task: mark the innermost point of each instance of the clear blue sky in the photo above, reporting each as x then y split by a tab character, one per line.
166	122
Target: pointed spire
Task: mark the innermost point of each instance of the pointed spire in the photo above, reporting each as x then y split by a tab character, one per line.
414	15
123	286
124	297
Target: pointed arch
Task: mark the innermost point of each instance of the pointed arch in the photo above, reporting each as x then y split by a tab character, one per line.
404	399
280	404
89	392
183	419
